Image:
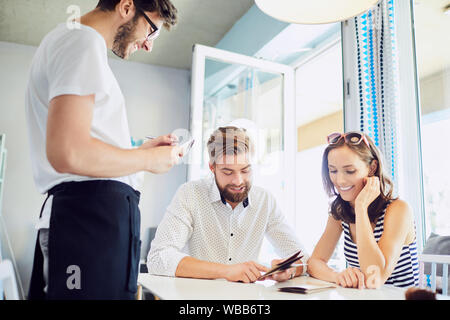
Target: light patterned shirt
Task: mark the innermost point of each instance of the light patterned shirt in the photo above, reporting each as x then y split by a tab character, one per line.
199	223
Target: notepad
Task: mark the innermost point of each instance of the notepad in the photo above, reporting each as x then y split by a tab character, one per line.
307	288
186	146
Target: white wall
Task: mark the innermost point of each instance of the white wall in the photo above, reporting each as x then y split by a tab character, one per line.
157	102
434	93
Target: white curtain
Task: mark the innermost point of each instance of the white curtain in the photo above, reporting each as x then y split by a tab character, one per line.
375	94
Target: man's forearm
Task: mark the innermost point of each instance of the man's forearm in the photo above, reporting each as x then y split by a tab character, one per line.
95	158
70	147
190	267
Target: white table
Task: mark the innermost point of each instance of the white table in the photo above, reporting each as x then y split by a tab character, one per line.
171	288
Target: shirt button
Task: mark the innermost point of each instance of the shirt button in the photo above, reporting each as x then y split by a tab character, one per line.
231	234
229	259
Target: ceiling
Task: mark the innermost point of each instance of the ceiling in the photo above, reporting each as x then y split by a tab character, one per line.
200	21
206	22
432	32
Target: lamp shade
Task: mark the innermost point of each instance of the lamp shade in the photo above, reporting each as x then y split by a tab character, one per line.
314	11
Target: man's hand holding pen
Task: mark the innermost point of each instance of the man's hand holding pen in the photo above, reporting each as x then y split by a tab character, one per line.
163	153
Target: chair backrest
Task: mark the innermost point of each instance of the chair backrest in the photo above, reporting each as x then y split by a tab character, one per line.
147	240
434	260
8	280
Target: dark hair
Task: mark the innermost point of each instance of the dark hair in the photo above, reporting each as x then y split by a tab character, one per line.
341	209
165	9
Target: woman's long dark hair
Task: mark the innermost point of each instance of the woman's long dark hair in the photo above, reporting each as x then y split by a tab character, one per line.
341	209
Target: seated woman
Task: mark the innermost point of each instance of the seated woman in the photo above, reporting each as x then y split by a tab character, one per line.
379	231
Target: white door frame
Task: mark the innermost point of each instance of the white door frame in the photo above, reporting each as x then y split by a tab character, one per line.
200	54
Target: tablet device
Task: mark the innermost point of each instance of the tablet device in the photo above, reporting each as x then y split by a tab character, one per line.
283	265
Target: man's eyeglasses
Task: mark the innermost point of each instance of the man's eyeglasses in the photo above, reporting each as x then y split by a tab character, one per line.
155	31
353	138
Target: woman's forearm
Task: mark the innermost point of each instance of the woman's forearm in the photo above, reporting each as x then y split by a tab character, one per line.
370	255
319	269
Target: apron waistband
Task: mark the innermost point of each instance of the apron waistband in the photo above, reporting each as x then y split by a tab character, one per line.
94	187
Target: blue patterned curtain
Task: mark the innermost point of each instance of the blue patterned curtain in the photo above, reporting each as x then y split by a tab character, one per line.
377	68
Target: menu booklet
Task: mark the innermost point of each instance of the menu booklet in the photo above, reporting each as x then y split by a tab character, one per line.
307	288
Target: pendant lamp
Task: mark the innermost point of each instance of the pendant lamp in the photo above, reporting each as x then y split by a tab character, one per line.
314	11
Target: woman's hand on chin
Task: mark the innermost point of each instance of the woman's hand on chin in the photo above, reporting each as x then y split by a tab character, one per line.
369	193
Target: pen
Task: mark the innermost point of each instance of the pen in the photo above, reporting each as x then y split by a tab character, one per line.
150	137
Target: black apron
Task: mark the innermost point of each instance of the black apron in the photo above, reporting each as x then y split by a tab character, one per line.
94	243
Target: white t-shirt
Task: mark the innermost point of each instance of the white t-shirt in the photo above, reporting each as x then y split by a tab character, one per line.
73	62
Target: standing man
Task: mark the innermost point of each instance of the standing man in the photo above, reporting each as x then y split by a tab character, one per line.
88	241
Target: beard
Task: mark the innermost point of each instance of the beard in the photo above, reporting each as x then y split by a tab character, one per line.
123	38
234	197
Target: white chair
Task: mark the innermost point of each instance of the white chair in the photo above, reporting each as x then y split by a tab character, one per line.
434	260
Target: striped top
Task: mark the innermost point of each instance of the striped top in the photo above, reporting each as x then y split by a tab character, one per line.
406	272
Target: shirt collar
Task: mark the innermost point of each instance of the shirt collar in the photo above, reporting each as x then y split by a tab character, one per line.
215	196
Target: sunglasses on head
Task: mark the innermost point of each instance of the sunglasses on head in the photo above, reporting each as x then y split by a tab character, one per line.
353	138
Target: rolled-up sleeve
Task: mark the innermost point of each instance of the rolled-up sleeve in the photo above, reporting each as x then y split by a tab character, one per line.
281	236
171	237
